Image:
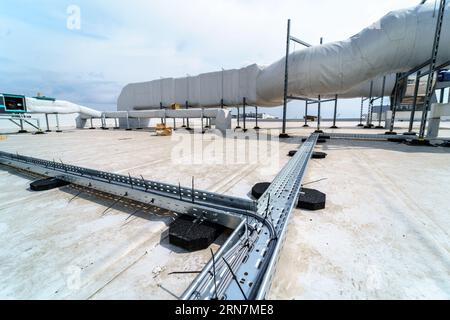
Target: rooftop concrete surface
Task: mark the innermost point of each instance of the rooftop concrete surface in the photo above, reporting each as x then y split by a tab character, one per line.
384	233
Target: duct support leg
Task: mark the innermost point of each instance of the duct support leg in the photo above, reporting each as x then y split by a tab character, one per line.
319	104
283	133
414	106
128	124
381	103
58	129
361	113
306	125
256	119
238	119
244	104
22	130
47	123
335	112
92	125
187	119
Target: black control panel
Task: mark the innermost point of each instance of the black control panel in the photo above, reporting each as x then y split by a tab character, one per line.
12	104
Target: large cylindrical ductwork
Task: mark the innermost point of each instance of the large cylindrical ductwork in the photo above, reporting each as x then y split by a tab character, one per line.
400	41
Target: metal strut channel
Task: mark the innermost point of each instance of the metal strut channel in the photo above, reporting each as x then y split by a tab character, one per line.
253	250
245	264
224	210
368	136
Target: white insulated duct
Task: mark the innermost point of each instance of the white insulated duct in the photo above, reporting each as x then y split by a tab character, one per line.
59	106
400	41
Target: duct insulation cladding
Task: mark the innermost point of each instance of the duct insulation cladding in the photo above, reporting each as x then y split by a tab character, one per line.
400	41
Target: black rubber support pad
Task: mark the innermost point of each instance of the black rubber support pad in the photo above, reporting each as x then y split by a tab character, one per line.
390	133
311	199
259	189
321	140
319	155
304	139
292	153
399	140
324	136
417	142
191	235
47	184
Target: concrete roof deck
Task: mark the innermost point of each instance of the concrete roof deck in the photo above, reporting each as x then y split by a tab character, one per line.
384	233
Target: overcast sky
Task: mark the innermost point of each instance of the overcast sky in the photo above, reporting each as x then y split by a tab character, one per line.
140	40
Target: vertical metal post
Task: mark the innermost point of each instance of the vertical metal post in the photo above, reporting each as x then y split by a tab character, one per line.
57	123
128	123
187	119
244	104
203	131
397	95
361	113
306	115
139	124
238	116
319	105
256	119
46	121
383	88
441	98
286	80
414	106
335	112
92	124
369	108
115	124
430	86
104	122
39	127
221	100
21	126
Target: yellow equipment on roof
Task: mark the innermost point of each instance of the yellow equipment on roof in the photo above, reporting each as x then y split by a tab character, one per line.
162	130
